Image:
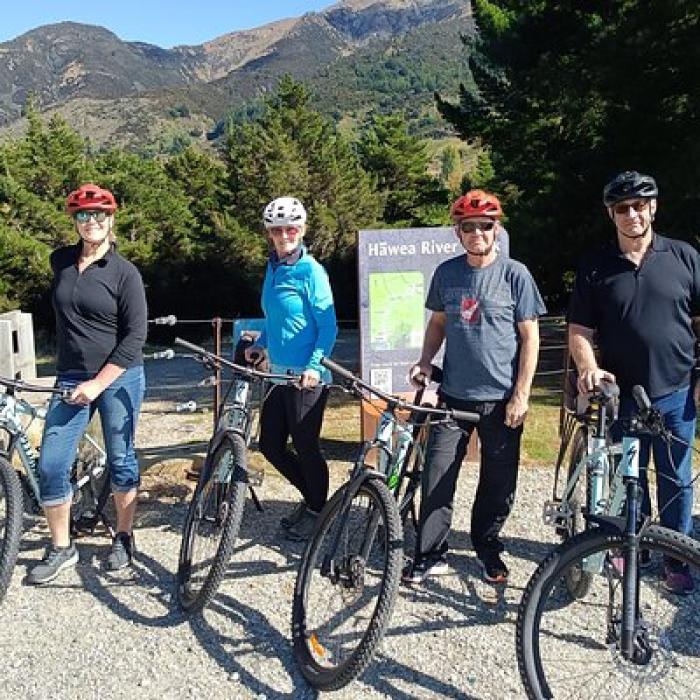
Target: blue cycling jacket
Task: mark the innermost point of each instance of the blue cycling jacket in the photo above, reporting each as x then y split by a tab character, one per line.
300	323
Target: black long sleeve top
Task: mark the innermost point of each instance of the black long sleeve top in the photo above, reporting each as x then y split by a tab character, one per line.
101	314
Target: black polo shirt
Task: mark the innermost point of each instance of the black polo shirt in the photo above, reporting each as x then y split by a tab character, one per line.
100	314
642	315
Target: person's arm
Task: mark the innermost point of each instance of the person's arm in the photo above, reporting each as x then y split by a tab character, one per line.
323	312
581	349
517	406
434	336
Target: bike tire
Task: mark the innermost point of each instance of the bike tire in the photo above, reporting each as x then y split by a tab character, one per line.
11	513
322	674
217	507
555	631
577	581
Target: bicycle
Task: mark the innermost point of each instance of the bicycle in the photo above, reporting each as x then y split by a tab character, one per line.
350	570
624	620
19	489
214	515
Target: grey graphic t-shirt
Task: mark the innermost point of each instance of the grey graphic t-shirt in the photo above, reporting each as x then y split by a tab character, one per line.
483	307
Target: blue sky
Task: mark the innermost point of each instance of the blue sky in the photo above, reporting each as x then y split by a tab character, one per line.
165	23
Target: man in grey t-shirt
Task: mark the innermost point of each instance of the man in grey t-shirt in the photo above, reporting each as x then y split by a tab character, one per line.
485	308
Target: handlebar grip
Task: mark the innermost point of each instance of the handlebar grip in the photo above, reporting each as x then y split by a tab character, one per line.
466	416
191	346
436	374
337	369
641	398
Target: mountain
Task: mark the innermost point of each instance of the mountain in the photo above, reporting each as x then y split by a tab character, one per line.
356	56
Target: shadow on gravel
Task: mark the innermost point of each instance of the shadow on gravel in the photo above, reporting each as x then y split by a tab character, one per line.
259	637
384	673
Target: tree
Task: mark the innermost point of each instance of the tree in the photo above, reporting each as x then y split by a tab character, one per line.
400	162
615	86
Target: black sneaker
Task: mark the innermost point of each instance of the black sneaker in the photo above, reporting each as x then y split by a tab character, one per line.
495	571
423	568
122	551
55	560
303	528
294	517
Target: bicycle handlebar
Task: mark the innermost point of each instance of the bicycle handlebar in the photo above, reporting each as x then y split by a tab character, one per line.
240	369
19	385
356	382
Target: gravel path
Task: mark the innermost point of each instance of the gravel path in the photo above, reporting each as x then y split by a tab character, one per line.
92	634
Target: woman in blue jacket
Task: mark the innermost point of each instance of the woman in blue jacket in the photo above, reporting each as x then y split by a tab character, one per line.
300	329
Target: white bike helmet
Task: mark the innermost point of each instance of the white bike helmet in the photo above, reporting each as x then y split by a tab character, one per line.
284	211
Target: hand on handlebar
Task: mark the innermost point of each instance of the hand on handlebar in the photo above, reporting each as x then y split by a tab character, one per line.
256	355
86	392
419	375
589	379
309	379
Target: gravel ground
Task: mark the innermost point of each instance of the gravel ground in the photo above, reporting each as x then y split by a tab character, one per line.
92	634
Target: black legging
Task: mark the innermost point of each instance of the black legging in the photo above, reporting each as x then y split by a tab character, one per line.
296	413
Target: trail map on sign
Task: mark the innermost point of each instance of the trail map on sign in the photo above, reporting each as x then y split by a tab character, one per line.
396	310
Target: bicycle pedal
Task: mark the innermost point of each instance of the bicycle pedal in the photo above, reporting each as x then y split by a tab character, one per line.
556	513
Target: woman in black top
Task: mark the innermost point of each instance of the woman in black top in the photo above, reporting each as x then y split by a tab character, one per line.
100	307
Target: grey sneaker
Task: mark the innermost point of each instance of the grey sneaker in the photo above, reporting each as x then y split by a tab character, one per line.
303	528
122	551
55	560
294	517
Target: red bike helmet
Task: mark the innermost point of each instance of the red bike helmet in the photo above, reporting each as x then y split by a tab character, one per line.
93	197
476	203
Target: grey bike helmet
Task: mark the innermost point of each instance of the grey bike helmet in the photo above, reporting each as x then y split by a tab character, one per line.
629	185
284	211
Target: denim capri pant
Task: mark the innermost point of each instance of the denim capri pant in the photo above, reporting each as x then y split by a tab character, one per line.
118	405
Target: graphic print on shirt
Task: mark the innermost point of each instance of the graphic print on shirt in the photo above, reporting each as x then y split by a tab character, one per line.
469	310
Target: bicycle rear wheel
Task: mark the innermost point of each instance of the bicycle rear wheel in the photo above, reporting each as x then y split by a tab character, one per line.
212	524
11	507
577	581
340	616
570	647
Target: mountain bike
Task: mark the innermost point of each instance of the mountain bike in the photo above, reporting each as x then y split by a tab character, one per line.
626	635
350	571
214	516
19	488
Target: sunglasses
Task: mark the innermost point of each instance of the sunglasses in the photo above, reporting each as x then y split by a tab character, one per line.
466	226
624	208
82	217
289	230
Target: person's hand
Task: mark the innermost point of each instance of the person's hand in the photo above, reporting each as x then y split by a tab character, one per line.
256	355
589	379
309	379
86	392
419	375
516	410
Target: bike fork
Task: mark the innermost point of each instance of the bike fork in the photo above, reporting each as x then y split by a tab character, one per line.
630	578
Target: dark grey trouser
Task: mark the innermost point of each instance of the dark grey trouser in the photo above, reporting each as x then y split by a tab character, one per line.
498	475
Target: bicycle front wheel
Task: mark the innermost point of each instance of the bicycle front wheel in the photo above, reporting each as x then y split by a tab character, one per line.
11	507
212	525
344	594
570	647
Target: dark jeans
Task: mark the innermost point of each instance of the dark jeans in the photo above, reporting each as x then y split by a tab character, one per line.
674	488
498	475
296	413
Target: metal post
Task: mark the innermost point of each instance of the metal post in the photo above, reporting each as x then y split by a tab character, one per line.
216	323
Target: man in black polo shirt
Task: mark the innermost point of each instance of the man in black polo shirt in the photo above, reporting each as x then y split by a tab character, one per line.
640	297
